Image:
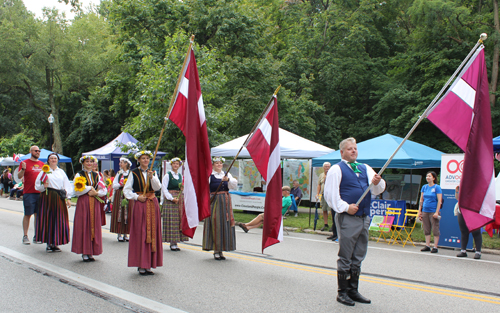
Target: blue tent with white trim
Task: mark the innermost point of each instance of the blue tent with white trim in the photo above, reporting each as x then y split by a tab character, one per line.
44	154
375	152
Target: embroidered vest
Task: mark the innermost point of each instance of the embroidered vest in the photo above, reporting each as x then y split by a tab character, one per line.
173	184
92	178
139	182
352	187
214	183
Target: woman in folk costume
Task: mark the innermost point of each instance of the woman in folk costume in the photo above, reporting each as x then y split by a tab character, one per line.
104	198
120	216
173	205
52	222
87	235
218	230
145	247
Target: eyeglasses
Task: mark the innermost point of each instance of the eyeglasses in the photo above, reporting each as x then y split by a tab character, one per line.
36	150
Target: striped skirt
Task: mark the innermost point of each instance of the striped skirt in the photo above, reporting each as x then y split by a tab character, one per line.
171	214
120	216
218	228
52	222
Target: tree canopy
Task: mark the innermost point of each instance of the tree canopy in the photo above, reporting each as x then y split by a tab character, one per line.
358	68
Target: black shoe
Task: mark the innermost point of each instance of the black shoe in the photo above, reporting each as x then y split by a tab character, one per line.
56	249
91	259
172	248
462	255
149	272
222	257
426	248
177	249
353	290
332	237
48	249
477	256
85	258
343	298
142	271
325	228
217	256
356	296
434	250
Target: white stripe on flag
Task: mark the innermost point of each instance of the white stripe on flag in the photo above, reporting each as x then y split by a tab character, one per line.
201	110
488	207
465	92
274	162
266	130
190	200
280	235
184	87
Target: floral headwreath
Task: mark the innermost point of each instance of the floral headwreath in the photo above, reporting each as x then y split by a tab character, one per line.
220	159
126	161
143	152
176	159
83	158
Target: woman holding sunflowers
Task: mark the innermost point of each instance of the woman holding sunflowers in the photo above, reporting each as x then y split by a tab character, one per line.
145	247
120	216
172	208
52	222
87	235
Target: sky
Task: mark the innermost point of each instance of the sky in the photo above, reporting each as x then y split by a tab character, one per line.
36	6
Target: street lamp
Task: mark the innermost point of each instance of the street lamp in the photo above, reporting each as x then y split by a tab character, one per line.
51	121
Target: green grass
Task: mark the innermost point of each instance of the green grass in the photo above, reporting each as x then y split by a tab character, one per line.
302	222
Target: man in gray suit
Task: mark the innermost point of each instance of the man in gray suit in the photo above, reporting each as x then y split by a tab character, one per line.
345	183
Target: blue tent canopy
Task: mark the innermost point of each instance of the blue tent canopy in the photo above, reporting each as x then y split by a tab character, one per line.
115	148
496	144
375	152
44	154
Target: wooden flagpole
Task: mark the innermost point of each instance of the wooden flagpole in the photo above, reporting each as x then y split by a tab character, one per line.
257	124
172	100
424	115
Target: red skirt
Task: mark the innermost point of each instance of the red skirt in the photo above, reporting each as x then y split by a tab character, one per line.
82	227
140	253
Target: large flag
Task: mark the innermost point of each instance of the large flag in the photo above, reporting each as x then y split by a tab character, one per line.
264	148
188	113
464	115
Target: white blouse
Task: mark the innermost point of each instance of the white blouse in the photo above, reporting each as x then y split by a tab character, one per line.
128	190
164	185
116	183
101	192
57	179
231	184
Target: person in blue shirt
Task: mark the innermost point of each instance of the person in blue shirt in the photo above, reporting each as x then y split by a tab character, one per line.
431	200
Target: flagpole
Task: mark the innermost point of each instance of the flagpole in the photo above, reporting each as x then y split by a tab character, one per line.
424	115
191	41
257	124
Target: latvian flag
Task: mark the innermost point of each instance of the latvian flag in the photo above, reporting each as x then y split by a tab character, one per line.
16	158
264	148
188	113
464	115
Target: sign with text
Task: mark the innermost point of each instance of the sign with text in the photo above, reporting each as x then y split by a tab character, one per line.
378	207
248	201
452	166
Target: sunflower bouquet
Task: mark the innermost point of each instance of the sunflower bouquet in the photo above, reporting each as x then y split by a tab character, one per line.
45	170
80	183
108	182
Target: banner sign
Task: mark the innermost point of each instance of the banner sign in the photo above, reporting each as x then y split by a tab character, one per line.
378	207
248	201
451	174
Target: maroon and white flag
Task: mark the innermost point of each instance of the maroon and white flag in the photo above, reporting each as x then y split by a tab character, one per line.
264	148
16	158
464	115
188	113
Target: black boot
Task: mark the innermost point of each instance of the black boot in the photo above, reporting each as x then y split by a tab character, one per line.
353	288
343	282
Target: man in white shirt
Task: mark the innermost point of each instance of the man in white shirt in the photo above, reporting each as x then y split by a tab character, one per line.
345	183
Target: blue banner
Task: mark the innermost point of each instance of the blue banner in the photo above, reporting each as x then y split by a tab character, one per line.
378	207
449	229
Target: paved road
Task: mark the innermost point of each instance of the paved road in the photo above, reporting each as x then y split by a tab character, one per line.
297	275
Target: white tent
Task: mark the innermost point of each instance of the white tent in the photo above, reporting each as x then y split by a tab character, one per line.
291	147
8	161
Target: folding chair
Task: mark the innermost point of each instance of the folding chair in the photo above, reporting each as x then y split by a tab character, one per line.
391	215
409	229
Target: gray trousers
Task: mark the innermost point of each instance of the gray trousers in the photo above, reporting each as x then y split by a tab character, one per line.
353	241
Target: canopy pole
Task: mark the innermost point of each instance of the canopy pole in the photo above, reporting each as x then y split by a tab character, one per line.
423	116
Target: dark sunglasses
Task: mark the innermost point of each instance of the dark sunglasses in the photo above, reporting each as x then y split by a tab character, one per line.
36	150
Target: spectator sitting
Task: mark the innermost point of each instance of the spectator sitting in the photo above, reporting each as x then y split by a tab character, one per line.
297	194
16	192
286	202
